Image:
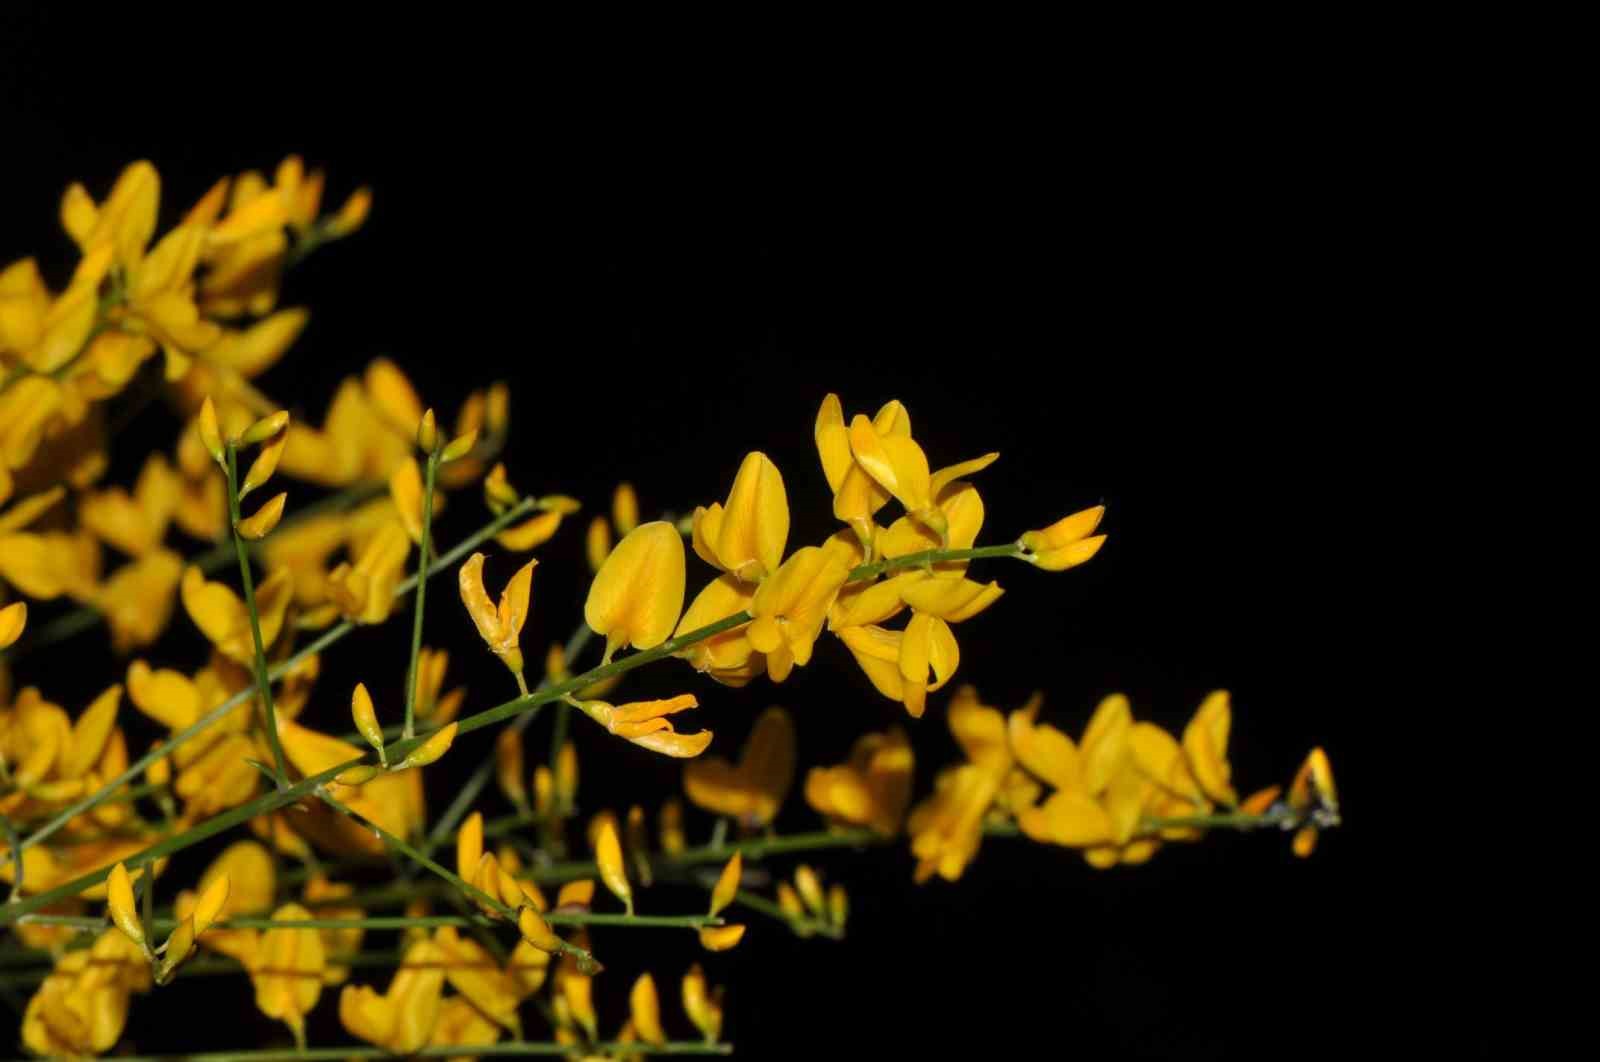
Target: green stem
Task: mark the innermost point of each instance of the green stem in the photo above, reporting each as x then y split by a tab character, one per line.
327	638
444	829
422	591
1231	820
585	959
804	926
259	665
930	557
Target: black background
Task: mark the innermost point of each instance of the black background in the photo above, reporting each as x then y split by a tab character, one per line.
1152	286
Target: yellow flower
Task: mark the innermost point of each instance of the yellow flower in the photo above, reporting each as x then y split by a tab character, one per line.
135	523
405	490
430	705
791	606
637	595
364	592
393	397
899	662
355	443
752	791
138	599
403	1018
856	495
391	800
223	618
1066	543
500	627
729	658
669	824
472	971
82	1007
121	905
287	971
460	1024
745	537
317	893
872	790
44	331
947	828
1205	744
644	724
43	565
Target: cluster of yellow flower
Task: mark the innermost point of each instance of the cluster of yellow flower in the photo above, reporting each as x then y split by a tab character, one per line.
86	822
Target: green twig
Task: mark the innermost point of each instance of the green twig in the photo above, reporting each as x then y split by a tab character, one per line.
422	592
259	665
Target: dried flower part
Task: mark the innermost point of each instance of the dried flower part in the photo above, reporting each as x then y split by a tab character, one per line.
727	885
637	594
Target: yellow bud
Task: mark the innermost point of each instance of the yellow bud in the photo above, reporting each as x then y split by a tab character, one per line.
703	1007
366	718
578	894
624	508
265	464
178	946
120	903
469	846
431	749
598	542
608	855
555	664
265	428
838	906
789	901
644	1006
543	791
536	931
210	904
459	447
497	413
727	884
210	431
256	527
810	890
359	775
671	827
13	618
159	772
721	938
352	215
508	766
567	775
498	493
428	432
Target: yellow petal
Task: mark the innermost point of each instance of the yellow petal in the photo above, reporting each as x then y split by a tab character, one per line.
396	400
1105	742
1205	744
430	750
259	525
405	488
608	856
209	907
727	884
637	595
13	618
469	845
721	938
645	1007
365	716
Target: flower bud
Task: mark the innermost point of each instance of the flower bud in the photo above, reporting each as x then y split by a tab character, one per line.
366	719
120	903
258	526
428	432
431	749
210	431
265	428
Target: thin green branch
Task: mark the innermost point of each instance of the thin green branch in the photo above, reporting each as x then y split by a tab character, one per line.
930	557
168	924
422	592
586	961
259	664
327	638
802	925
